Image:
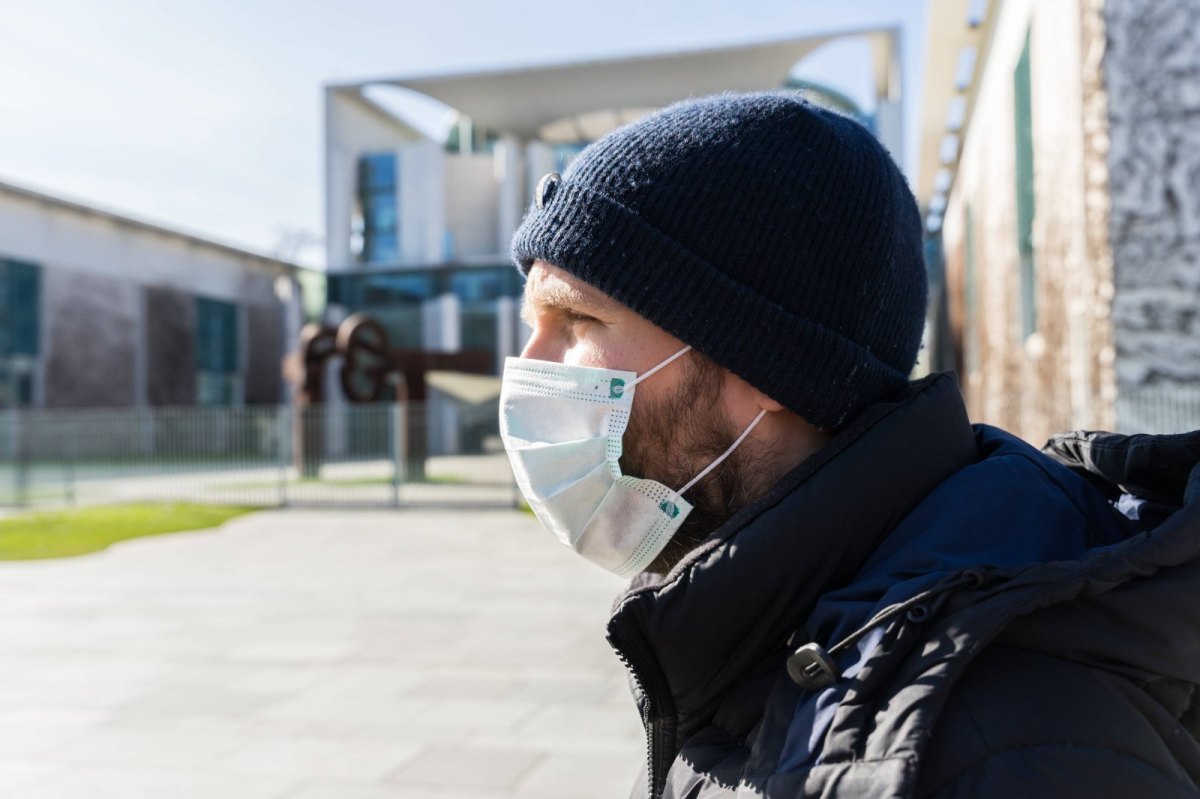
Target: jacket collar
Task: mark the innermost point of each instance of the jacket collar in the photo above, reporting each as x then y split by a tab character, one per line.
696	634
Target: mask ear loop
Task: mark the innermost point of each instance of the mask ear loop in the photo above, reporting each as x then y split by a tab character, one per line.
646	374
724	455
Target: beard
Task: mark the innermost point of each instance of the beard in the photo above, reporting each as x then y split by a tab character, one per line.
673	438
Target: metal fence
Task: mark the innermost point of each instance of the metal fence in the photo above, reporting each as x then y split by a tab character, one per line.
1167	408
384	455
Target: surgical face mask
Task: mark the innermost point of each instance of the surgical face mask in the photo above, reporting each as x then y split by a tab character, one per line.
562	426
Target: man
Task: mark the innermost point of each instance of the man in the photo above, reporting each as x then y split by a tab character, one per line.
839	586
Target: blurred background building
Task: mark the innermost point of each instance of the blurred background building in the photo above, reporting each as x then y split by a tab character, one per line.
1060	175
426	178
109	324
102	310
1055	161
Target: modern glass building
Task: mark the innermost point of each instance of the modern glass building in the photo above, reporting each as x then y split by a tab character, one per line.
419	213
481	298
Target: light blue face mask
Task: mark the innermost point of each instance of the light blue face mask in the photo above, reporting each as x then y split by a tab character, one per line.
562	427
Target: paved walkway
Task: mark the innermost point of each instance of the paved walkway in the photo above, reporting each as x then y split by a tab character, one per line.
316	655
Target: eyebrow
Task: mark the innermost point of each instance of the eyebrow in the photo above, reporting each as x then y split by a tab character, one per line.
562	297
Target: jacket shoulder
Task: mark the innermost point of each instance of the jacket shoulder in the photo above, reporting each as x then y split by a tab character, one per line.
1031	724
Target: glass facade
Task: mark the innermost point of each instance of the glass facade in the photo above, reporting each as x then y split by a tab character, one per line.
395	299
468	138
218	380
377	182
20	314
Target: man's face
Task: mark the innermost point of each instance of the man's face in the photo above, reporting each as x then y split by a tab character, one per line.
680	420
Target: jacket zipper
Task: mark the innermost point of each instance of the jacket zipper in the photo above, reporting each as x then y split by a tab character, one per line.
655	770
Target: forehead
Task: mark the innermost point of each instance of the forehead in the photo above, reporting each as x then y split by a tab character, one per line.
549	285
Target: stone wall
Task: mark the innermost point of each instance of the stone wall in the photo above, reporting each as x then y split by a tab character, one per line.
170	330
1116	237
264	344
1097	206
117	311
91	347
1052	379
1152	72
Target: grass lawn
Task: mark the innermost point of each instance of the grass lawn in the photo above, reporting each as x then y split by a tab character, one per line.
79	531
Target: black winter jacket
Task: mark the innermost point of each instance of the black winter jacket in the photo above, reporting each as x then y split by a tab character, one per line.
975	618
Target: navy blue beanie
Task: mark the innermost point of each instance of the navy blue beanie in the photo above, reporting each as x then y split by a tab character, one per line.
774	236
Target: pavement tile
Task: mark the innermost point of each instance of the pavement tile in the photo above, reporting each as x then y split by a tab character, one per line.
463	767
583	723
595	775
314	756
17	741
299	653
122	782
328	789
195	701
472	715
22	773
136	746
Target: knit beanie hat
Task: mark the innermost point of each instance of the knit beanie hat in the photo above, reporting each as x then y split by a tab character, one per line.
774	236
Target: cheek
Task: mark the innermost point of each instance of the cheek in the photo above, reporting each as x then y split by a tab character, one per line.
595	344
569	344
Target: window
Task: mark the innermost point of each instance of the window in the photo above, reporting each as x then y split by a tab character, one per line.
20	305
485	283
395	298
1023	114
465	138
380	214
217	377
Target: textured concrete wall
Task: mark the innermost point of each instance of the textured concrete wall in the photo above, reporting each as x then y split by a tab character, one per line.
1097	215
1152	73
263	347
118	313
170	330
1052	379
1116	130
91	342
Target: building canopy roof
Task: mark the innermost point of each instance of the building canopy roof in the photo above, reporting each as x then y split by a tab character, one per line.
527	101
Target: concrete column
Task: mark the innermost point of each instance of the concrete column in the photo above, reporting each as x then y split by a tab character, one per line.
441	323
539	159
506	330
889	126
511	186
291	298
421	197
441	320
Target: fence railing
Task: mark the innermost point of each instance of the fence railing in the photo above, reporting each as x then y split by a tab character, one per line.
1167	408
438	453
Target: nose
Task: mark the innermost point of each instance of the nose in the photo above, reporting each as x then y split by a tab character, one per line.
543	347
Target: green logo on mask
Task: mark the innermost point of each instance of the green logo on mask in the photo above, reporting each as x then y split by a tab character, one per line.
616	388
669	508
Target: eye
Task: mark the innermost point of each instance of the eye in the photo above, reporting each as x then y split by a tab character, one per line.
577	318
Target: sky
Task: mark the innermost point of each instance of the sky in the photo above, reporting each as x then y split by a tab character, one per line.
207	116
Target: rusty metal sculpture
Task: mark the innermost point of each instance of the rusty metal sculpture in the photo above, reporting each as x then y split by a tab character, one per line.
369	366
